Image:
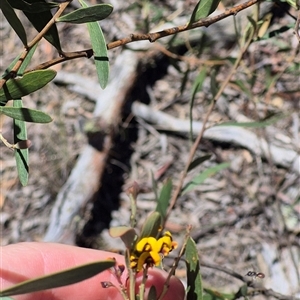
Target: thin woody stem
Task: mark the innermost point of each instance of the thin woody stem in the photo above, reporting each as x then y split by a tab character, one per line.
200	135
152	37
37	38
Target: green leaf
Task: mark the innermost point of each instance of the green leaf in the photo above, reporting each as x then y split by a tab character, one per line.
164	199
215	295
127	234
21	155
152	295
13	20
63	278
32	6
100	50
23	65
25	114
273	118
152	225
198	161
203	9
87	14
29	83
40	19
194	281
199	179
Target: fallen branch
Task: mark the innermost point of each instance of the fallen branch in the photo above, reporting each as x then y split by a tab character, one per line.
229	134
86	175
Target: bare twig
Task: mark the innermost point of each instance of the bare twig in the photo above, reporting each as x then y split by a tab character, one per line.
152	37
35	40
200	135
256	287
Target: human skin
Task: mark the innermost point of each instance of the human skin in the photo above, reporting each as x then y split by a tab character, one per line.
23	261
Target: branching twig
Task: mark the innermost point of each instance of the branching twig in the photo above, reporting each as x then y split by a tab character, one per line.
257	288
152	37
36	39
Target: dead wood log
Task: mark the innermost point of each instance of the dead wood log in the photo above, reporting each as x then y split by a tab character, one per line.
238	136
85	177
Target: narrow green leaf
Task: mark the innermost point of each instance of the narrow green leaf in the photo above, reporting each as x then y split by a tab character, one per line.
100	50
23	65
194	281
33	7
25	114
63	278
198	161
29	83
40	19
13	20
27	60
217	295
152	295
127	234
152	225
197	86
154	186
21	155
87	14
203	9
199	179
164	199
259	124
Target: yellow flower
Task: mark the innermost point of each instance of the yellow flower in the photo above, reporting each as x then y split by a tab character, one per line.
150	251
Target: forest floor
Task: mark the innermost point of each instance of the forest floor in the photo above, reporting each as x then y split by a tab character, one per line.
244	217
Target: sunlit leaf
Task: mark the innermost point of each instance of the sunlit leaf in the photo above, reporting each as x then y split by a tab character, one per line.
33	6
29	83
87	14
198	161
21	155
215	295
203	9
194	281
25	114
200	178
152	225
164	198
100	50
273	118
13	20
127	234
59	279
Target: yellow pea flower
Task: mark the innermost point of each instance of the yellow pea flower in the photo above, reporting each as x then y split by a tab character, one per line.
150	251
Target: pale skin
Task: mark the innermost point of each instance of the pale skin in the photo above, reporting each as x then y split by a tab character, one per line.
19	262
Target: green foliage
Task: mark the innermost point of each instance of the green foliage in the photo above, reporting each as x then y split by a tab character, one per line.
203	9
194	281
164	199
87	14
55	280
200	178
29	83
21	155
13	20
152	225
100	50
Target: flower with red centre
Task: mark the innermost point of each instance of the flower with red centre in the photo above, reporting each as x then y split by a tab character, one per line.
150	251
